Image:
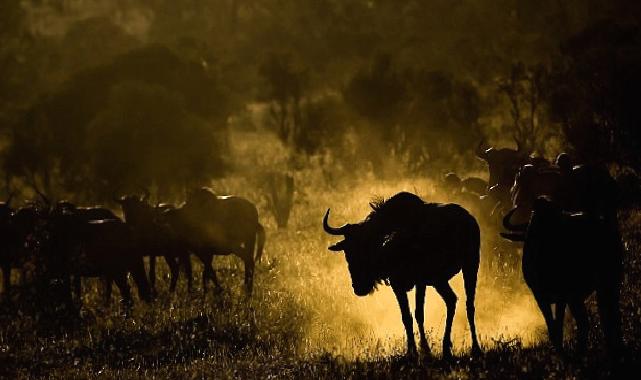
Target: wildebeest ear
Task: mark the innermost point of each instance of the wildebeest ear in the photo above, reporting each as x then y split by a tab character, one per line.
340	246
516	236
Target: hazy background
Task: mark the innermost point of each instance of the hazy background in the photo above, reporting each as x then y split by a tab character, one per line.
352	98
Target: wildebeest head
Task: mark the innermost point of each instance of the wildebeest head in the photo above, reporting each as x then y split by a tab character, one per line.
135	208
545	213
502	164
360	247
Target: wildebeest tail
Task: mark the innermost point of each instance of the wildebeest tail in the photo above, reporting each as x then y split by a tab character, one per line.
260	243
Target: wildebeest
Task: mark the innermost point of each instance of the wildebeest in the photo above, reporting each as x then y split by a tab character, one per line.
77	245
155	237
17	231
503	164
566	257
410	243
210	225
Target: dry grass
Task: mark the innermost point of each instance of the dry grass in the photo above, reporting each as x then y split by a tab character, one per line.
303	320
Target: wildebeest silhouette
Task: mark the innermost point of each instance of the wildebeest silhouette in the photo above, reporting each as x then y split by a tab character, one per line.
210	225
567	257
77	245
17	232
409	243
155	238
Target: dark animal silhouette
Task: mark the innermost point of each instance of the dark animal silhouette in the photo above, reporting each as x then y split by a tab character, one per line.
17	236
155	237
80	246
409	243
211	225
503	164
566	257
584	188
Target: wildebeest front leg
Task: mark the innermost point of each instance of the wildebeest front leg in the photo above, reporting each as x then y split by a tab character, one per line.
419	314
249	275
174	268
448	295
406	316
185	261
546	310
209	273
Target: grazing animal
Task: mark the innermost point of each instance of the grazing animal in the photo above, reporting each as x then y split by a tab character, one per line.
80	246
17	235
155	238
567	257
410	243
209	225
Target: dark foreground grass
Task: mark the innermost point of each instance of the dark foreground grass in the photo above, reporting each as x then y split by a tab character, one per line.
226	336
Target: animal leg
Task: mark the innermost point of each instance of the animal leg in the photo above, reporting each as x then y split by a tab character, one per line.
610	313
581	318
546	310
152	273
140	278
419	314
448	295
559	320
107	282
186	263
469	279
209	273
121	281
249	274
406	316
174	269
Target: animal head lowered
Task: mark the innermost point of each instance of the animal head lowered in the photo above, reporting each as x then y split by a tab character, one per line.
361	251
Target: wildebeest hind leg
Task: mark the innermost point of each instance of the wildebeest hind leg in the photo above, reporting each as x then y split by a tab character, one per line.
419	314
249	274
406	316
469	279
448	295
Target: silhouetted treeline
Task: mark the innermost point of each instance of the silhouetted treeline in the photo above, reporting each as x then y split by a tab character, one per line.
98	96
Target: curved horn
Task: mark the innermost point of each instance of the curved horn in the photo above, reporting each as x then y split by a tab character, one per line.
342	230
513	227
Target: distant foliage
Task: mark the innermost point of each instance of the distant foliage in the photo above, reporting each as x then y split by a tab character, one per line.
596	92
148	118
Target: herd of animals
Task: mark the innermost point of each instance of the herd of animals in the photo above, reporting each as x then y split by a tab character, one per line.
565	215
65	243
